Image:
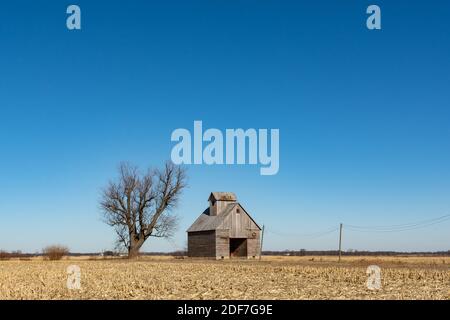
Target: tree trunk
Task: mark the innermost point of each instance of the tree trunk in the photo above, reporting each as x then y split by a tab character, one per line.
133	250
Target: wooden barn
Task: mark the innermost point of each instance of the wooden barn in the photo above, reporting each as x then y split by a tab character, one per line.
224	230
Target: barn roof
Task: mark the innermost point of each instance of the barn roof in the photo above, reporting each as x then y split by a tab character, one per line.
208	223
224	196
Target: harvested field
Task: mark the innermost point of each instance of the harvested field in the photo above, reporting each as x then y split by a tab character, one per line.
271	278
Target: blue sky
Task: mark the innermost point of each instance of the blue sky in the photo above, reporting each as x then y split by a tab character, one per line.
364	116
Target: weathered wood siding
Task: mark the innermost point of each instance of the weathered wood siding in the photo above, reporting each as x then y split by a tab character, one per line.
202	244
218	206
253	246
241	225
222	244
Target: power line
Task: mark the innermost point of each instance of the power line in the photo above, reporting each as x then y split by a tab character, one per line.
304	235
399	227
367	229
385	228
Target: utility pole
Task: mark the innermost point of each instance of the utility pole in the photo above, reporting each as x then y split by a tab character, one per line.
261	246
340	241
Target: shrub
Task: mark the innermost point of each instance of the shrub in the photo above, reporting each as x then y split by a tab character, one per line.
55	252
109	253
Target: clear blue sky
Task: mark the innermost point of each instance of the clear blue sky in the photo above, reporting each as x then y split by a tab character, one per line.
364	116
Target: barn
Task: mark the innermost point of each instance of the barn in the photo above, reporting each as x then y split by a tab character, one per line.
224	230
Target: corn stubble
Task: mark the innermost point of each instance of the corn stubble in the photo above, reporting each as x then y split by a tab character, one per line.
187	279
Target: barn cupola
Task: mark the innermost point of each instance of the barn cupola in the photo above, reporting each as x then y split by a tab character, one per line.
218	201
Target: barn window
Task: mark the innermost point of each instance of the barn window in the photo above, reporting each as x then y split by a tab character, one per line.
238	210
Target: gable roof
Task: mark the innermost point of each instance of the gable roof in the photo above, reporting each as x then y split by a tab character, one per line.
205	222
223	196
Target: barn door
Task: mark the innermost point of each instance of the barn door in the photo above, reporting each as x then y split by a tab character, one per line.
238	247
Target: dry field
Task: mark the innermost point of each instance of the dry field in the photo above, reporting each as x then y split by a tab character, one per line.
271	278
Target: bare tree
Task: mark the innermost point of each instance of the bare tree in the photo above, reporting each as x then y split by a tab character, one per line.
55	252
138	206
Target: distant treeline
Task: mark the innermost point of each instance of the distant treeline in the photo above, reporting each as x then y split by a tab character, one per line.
351	253
4	255
320	253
